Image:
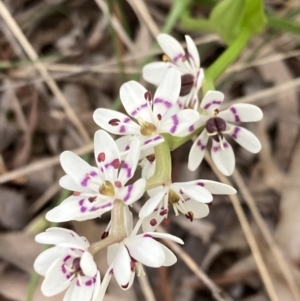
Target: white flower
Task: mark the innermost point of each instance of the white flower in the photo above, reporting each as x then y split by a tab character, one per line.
189	198
219	123
96	188
187	63
155	116
125	259
67	265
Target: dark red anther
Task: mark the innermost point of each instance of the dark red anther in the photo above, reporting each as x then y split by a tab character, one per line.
167	221
132	265
101	157
76	193
190	216
153	222
148	95
151	158
163	212
92	199
114	122
187	83
115	163
159	117
104	235
209	204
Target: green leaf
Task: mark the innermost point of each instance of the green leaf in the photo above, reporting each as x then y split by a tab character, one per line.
230	16
254	17
284	24
226	19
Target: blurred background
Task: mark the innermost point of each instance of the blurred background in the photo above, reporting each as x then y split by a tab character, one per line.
62	59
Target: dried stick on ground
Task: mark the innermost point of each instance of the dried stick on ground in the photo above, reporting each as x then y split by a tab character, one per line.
280	260
14	27
248	233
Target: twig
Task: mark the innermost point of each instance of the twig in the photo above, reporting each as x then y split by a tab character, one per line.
146	288
42	164
117	26
142	11
280	260
14	27
44	198
248	234
216	291
266	94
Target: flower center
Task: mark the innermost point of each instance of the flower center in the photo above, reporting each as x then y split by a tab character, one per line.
147	128
107	188
187	83
76	267
173	197
215	127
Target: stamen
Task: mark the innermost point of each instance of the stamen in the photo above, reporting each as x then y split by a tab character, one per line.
153	222
175	210
165	58
148	95
114	122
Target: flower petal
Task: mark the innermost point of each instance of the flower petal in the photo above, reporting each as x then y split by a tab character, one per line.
115	122
128	168
197	193
215	187
154	72
77	292
180	124
192	52
170	257
112	252
68	183
151	204
199	210
62	237
79	170
96	287
88	265
145	250
246	139
167	92
55	280
197	151
80	210
46	258
173	49
131	193
212	101
224	158
104	285
163	236
150	142
133	98
148	226
242	112
107	155
122	269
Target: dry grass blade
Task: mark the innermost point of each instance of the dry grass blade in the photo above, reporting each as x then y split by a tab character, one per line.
267	235
14	27
146	288
143	13
116	25
216	291
41	164
264	96
248	234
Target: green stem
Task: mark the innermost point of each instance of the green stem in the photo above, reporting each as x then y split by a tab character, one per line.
283	24
118	232
228	56
162	175
199	24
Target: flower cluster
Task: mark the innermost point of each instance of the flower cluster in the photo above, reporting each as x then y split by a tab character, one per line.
146	135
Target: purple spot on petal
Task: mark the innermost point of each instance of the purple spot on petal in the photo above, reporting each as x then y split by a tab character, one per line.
83	209
67	257
235	113
201	145
127	167
122	129
200	184
81	202
127	196
89	283
147	235
191	128
166	103
235	132
157	138
215	148
178	57
175	122
214	102
127	147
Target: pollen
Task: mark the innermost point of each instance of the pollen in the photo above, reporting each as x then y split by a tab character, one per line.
147	128
107	188
173	197
165	58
